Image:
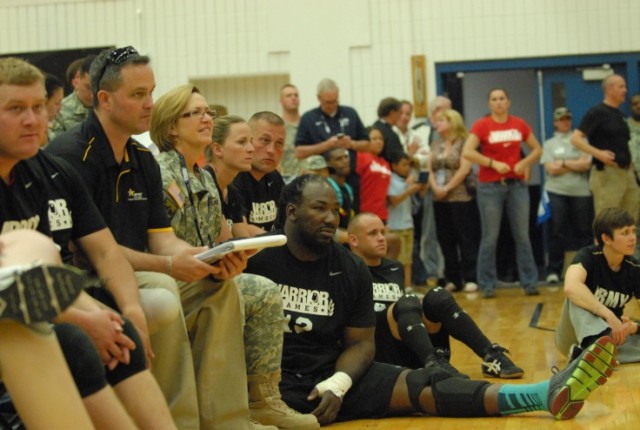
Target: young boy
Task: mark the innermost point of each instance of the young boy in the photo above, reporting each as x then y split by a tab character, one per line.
400	220
598	284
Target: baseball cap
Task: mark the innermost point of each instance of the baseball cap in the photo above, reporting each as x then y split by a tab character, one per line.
562	112
314	162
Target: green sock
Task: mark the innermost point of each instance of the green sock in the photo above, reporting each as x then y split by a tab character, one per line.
515	399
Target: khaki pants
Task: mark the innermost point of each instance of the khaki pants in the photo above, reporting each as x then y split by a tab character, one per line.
615	187
199	362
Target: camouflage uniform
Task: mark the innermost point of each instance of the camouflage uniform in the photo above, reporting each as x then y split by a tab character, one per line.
264	317
634	144
289	163
73	112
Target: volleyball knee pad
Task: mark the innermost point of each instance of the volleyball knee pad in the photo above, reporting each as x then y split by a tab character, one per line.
82	357
408	313
137	357
437	302
457	397
419	379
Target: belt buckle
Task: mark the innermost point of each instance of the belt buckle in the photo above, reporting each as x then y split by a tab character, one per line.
504	181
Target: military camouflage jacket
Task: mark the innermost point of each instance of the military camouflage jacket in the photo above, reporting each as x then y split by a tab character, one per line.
73	112
178	201
289	163
634	144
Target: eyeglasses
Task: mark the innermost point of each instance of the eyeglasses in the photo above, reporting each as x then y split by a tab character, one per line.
200	114
116	57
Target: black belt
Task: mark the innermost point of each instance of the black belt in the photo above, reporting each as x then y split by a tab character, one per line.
601	166
508	181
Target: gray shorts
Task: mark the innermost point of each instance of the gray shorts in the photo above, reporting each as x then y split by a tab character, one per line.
577	323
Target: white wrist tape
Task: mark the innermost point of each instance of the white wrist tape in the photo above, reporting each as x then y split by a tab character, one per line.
338	384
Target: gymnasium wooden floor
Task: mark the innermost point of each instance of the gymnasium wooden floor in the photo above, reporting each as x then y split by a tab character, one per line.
525	326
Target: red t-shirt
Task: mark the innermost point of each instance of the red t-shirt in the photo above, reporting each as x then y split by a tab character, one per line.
375	177
501	142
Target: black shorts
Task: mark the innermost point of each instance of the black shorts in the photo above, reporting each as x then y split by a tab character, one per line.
368	398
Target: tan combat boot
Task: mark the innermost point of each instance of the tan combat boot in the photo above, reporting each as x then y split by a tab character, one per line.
255	425
267	407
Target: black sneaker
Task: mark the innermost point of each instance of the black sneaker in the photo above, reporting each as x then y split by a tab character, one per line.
496	364
440	358
574	352
569	388
37	293
532	290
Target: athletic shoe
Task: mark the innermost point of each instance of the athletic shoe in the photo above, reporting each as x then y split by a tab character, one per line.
489	293
470	287
450	287
532	290
440	358
569	388
37	293
552	278
496	364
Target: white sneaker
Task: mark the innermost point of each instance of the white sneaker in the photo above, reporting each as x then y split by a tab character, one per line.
552	278
450	287
470	287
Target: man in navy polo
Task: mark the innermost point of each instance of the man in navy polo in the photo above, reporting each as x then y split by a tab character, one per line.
329	126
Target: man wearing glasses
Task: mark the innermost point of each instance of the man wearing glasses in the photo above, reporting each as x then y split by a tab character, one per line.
124	181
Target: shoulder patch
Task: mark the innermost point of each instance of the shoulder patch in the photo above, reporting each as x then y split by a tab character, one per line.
174	191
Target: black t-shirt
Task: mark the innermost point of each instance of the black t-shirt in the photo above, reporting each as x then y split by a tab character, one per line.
606	128
320	299
613	289
260	198
47	195
388	282
129	194
232	205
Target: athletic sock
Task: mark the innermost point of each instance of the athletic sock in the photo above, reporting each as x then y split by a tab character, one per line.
460	325
441	339
413	333
515	399
589	340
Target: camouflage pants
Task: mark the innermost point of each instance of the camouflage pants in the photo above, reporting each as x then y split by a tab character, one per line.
264	324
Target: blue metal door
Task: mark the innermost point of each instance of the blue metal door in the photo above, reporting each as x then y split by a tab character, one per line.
566	87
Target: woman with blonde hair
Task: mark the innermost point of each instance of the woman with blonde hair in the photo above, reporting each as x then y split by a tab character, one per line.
230	153
454	207
182	126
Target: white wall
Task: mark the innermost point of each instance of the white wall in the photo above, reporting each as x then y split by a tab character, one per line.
365	45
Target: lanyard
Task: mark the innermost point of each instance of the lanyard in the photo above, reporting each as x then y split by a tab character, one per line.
187	183
327	129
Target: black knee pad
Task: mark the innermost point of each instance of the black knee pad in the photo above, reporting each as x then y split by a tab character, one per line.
407	312
437	303
82	357
138	361
418	379
460	398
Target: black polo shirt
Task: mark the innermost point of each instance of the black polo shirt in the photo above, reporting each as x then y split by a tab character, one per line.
47	195
128	194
